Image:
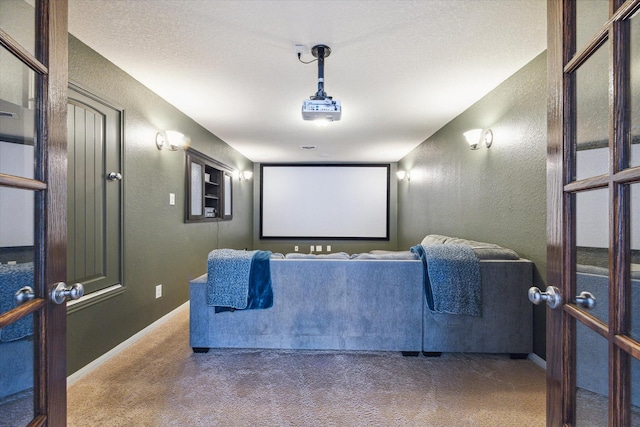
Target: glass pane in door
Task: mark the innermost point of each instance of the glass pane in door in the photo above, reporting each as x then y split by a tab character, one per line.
17	116
592	248
16	375
592	378
16	273
635	392
635	89
591	15
635	261
592	115
18	19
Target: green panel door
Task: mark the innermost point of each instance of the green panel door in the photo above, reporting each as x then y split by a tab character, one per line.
94	222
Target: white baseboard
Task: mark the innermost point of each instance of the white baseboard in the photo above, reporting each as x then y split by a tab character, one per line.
71	379
538	360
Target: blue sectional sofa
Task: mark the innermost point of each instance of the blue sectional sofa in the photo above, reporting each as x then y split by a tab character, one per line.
371	302
321	304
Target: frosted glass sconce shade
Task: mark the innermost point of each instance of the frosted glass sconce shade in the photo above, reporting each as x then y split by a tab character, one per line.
171	140
403	175
475	136
242	175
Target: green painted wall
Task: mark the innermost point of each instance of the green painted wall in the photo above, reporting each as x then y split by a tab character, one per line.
158	246
496	195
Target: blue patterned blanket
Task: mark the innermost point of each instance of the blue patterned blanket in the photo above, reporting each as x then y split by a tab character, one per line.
452	280
239	280
12	278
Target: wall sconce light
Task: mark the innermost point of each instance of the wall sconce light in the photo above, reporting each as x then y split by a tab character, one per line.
171	140
403	176
476	136
244	175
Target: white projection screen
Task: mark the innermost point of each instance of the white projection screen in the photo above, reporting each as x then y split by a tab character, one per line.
324	201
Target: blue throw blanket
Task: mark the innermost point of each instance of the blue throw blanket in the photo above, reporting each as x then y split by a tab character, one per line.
239	280
452	280
12	278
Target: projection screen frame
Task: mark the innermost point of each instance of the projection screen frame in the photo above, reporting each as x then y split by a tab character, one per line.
386	166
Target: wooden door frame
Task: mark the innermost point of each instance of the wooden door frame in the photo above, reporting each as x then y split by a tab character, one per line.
50	64
555	329
561	209
53	370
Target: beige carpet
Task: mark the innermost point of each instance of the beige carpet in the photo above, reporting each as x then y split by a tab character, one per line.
160	382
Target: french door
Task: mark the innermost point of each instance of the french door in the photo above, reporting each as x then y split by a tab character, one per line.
593	220
33	157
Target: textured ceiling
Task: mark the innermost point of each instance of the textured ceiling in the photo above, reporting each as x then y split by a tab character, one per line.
402	69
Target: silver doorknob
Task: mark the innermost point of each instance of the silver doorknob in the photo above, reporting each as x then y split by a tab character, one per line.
61	292
586	300
114	176
24	294
551	296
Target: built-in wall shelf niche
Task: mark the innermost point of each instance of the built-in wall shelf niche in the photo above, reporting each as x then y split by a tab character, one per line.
209	189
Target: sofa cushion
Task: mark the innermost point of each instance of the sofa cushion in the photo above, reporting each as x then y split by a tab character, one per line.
485	250
433	239
482	250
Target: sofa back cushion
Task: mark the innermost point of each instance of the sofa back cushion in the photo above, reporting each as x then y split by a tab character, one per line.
482	250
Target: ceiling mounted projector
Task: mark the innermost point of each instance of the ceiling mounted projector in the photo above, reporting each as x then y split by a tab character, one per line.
321	106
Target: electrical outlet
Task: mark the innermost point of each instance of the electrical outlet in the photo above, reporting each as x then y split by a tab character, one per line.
172	199
298	50
328	248
312	248
295	249
319	248
159	290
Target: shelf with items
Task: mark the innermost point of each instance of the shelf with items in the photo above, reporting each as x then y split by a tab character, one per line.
208	189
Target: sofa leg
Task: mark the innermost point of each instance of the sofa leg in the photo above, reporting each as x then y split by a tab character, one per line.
432	353
200	349
518	356
410	353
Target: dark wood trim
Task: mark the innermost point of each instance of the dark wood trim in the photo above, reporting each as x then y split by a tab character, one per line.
218	164
38	421
627	176
50	64
561	205
628	344
627	9
555	238
20	182
54	338
620	223
590	321
601	181
194	156
21	311
624	12
585	53
24	55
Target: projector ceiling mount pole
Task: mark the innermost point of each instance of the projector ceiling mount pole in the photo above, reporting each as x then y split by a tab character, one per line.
320	107
320	51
